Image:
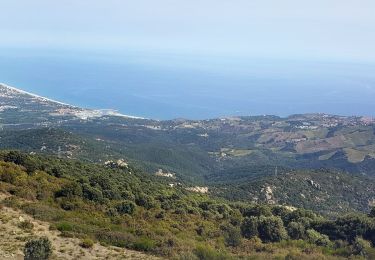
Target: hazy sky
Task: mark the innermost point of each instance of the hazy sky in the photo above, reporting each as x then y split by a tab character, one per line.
302	29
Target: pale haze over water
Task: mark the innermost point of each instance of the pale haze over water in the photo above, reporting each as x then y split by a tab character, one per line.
166	86
191	58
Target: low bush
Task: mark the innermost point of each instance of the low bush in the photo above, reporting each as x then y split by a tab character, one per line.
38	249
26	225
317	238
64	227
249	227
271	229
87	243
208	253
296	230
232	236
115	238
144	244
125	207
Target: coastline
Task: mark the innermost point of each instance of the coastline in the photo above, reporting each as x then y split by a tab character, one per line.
103	112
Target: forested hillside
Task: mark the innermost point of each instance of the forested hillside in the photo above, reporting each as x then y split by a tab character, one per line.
300	187
329	192
124	207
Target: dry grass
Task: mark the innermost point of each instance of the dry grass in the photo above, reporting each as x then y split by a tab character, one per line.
13	238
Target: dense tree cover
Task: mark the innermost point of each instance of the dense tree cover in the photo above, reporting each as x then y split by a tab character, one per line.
328	192
237	178
126	208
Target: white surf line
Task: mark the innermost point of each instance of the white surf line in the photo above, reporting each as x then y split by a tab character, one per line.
110	111
36	96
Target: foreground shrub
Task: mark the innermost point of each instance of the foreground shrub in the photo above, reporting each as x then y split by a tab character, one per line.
317	238
363	248
38	249
125	207
232	236
26	225
249	227
257	211
349	227
208	253
64	226
87	243
92	193
145	201
43	212
296	230
271	229
144	244
119	239
70	190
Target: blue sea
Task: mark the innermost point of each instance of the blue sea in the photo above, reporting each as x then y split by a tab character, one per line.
168	85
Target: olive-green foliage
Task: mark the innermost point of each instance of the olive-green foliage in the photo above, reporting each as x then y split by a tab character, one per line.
125	207
26	225
116	238
349	227
301	215
363	248
145	201
144	244
87	243
372	212
249	227
92	193
69	190
64	226
208	253
296	230
281	212
317	238
142	212
271	229
38	249
232	235
257	211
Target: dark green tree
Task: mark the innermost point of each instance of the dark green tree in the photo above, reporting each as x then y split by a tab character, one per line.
271	229
38	249
372	213
125	207
232	236
317	238
249	227
257	211
92	193
69	190
296	230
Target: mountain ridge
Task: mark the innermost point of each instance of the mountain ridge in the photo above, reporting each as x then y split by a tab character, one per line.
245	186
202	153
304	140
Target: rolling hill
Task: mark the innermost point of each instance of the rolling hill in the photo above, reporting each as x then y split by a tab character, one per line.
238	152
264	187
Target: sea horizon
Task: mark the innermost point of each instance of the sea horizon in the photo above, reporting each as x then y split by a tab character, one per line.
167	86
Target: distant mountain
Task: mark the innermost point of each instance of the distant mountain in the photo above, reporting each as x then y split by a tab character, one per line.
324	191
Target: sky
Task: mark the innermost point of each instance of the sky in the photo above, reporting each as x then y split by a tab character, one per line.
289	29
184	57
